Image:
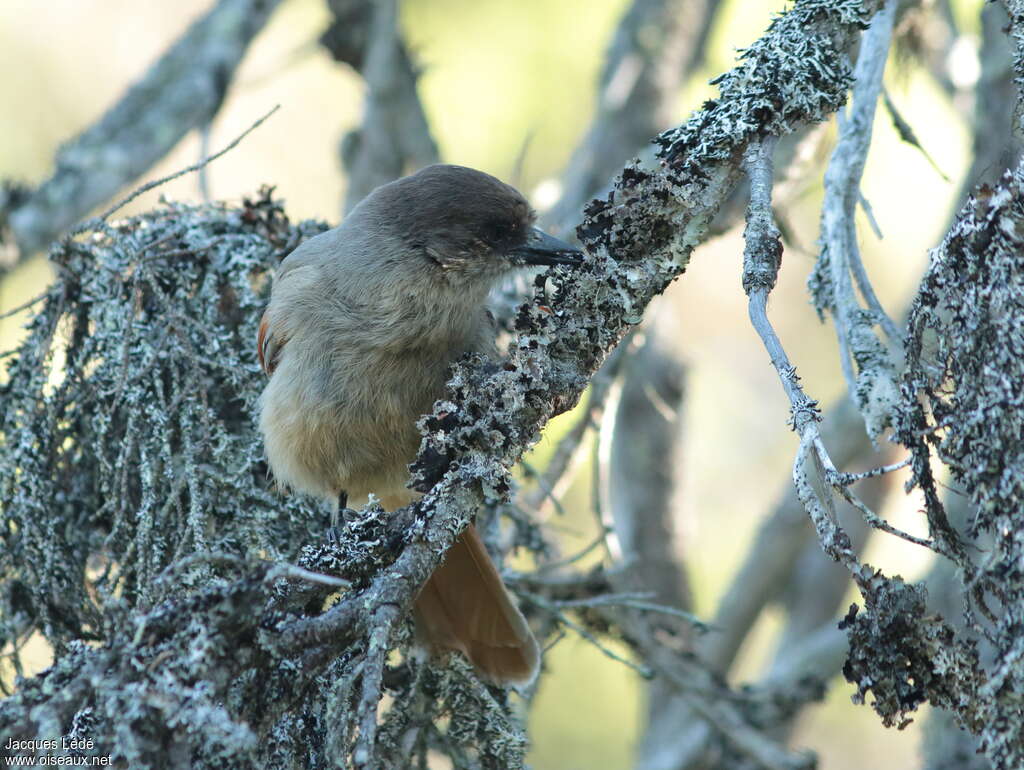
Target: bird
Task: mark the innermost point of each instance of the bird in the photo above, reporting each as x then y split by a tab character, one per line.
363	324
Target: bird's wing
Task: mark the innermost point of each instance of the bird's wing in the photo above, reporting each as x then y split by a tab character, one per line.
295	279
268	345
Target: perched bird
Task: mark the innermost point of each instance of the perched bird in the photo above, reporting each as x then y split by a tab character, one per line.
363	324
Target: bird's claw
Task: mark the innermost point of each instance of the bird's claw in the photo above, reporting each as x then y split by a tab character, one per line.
341	513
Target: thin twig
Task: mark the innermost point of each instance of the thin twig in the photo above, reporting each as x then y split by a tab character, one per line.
869	212
596	543
204	150
906	133
860	275
585	633
847	479
89	224
760	270
274	571
877	522
568	453
842	189
635	600
600	494
290	570
542	496
23	306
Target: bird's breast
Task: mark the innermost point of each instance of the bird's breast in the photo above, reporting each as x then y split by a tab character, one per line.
341	416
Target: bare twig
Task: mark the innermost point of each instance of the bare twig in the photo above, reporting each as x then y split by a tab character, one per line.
91	224
568	454
394	137
594	544
852	478
872	387
636	600
906	132
585	633
202	180
182	91
290	570
869	212
876	522
23	306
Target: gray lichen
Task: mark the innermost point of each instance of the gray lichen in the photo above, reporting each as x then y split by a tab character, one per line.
129	449
135	499
128	436
963	402
904	656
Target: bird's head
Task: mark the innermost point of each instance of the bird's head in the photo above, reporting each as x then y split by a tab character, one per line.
461	225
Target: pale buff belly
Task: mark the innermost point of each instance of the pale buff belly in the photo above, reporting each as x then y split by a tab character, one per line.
323	448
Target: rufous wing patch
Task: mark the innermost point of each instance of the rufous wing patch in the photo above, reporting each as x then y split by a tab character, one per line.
268	347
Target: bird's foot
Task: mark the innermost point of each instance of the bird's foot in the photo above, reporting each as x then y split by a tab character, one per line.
341	513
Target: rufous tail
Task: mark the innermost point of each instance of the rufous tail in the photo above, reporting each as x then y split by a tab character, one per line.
465	606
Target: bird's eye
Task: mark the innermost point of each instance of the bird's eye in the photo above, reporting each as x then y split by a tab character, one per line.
498	231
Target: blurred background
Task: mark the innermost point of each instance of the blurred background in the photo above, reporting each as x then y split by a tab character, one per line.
510	88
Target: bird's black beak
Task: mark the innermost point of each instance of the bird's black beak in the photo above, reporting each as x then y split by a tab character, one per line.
543	249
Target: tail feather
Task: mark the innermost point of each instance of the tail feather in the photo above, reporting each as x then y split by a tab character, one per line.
465	606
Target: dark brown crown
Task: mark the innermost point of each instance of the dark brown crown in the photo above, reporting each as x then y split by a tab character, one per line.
455	209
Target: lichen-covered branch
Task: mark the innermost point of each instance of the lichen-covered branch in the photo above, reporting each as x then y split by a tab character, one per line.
947	746
1015	10
183	90
134	493
962	402
839	265
964	351
143	453
897	651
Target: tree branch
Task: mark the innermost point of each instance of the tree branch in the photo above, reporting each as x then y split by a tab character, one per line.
873	387
657	46
639	239
394	138
182	91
